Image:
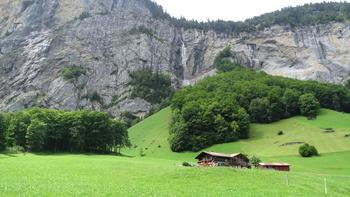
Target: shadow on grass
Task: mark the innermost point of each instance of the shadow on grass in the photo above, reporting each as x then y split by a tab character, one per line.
79	153
7	155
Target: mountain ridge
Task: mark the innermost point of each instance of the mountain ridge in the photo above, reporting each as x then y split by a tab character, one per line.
40	38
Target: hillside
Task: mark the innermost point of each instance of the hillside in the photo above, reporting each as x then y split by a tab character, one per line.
41	39
264	141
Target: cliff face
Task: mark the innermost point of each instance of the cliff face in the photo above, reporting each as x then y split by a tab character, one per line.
109	38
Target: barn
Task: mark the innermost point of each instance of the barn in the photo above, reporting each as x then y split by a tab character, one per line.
221	159
275	166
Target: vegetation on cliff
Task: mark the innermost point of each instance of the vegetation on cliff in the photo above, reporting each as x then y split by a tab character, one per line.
153	86
308	14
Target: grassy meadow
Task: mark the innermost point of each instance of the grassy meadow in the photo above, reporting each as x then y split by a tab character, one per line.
92	175
160	173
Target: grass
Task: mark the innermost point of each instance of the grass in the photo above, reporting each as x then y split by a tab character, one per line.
264	140
93	175
160	173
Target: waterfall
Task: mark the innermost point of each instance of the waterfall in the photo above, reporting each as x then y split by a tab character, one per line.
185	81
183	54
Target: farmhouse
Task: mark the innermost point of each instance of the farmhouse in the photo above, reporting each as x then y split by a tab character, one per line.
275	166
220	159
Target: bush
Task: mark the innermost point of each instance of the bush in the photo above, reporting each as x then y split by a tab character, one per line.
142	153
14	150
307	150
186	164
280	133
329	130
84	15
72	73
254	161
223	61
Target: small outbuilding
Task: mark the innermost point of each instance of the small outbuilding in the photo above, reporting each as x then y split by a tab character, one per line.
275	166
211	159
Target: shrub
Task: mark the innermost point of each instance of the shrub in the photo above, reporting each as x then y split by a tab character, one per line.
94	96
329	130
280	133
186	164
223	61
307	150
84	15
254	160
14	150
142	153
72	73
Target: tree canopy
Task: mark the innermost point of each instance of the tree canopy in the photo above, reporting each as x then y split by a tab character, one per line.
53	130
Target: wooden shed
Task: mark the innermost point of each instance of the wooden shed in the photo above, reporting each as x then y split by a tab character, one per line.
275	166
221	159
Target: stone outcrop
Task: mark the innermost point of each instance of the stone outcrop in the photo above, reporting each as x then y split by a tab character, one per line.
109	38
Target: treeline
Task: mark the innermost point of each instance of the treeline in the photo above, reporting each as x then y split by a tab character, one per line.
219	109
308	14
53	130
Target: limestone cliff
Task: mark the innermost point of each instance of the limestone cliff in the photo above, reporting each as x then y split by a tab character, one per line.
109	38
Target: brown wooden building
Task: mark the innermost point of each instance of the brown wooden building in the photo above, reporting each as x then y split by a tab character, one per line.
275	166
219	159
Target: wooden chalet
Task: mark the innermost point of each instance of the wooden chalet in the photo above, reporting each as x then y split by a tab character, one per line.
211	159
274	166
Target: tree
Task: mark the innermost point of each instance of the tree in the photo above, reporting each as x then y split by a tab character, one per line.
309	105
178	135
307	150
347	83
3	142
120	135
259	110
241	117
290	100
36	134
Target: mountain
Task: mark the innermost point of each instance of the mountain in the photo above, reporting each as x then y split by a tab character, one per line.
57	53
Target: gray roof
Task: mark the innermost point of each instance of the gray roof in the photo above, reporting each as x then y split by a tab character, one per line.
219	154
274	164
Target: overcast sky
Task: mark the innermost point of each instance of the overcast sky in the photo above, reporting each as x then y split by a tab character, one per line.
226	9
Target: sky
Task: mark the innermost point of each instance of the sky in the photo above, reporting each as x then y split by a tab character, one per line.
235	10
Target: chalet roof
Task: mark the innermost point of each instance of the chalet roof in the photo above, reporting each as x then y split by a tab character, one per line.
274	164
219	154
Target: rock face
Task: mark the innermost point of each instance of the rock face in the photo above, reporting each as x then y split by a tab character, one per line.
109	38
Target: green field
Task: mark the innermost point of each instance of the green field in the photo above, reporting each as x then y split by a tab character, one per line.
85	175
160	173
